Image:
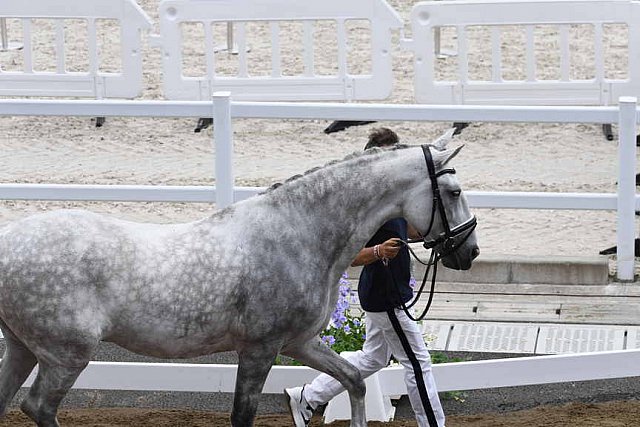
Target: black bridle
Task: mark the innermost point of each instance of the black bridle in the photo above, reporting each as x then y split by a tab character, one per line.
445	244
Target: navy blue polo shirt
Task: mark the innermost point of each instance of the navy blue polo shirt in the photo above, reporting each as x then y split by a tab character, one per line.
376	289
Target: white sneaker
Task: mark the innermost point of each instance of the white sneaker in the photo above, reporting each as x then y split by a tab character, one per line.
301	411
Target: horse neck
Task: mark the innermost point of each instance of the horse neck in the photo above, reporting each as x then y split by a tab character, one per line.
337	210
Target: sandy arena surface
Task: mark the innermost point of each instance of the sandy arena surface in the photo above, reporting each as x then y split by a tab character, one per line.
496	157
610	414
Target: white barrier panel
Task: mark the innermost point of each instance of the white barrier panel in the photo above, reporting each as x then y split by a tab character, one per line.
526	21
275	71
70	28
449	376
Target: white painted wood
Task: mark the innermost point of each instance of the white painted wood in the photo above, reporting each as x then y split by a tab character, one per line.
537	370
377	404
311	111
308	86
449	376
428	16
626	228
125	84
223	144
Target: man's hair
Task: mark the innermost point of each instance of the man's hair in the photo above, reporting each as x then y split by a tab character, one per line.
381	137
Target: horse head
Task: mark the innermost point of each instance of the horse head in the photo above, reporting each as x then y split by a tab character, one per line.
450	228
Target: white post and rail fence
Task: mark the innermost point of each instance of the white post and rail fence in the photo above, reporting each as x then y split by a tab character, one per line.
224	110
389	382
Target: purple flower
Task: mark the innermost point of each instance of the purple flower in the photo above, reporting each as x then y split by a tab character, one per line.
344	279
329	339
346	328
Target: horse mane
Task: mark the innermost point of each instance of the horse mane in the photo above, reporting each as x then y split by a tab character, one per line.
366	154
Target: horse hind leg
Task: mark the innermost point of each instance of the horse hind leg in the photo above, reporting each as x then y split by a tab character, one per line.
59	364
50	387
17	363
253	367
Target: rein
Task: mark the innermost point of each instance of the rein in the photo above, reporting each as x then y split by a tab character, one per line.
446	243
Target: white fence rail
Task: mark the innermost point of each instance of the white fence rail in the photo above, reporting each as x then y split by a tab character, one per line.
61	19
223	111
450	376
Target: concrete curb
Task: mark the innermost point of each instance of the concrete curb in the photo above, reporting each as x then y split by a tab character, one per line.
504	269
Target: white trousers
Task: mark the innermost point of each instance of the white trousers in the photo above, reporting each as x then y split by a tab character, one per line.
381	342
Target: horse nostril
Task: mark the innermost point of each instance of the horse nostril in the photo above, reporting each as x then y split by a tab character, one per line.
475	252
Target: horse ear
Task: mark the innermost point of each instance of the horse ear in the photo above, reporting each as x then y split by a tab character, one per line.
450	154
440	144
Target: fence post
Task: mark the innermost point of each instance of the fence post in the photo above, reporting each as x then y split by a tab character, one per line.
223	140
626	187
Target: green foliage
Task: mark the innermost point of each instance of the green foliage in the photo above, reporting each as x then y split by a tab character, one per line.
348	336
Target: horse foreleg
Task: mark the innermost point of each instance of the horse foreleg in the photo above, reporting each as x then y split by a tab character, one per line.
17	364
253	367
318	356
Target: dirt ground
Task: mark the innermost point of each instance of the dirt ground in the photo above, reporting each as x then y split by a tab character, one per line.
610	414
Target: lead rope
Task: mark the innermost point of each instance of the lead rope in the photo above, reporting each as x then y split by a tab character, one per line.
433	262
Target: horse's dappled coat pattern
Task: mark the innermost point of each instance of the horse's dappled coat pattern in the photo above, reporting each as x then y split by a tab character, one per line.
259	277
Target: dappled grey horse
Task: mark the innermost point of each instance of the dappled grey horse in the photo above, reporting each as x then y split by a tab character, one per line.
259	277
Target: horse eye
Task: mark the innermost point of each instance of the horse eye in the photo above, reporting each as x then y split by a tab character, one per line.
456	193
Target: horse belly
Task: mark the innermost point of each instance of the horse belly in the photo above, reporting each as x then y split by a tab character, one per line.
167	335
173	347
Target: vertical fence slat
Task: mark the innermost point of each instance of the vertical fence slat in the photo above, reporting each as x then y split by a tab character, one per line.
530	53
598	51
626	232
276	54
93	45
342	48
209	50
60	46
243	68
463	57
307	37
496	54
223	141
565	67
27	48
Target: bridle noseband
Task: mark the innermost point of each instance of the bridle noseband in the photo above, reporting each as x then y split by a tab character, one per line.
445	244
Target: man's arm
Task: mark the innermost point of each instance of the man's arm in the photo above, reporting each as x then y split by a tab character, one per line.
389	249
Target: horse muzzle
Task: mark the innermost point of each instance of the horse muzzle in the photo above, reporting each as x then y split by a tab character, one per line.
452	247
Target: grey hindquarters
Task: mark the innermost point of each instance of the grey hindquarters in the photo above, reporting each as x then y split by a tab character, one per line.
49	308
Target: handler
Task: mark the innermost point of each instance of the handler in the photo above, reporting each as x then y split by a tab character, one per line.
389	331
